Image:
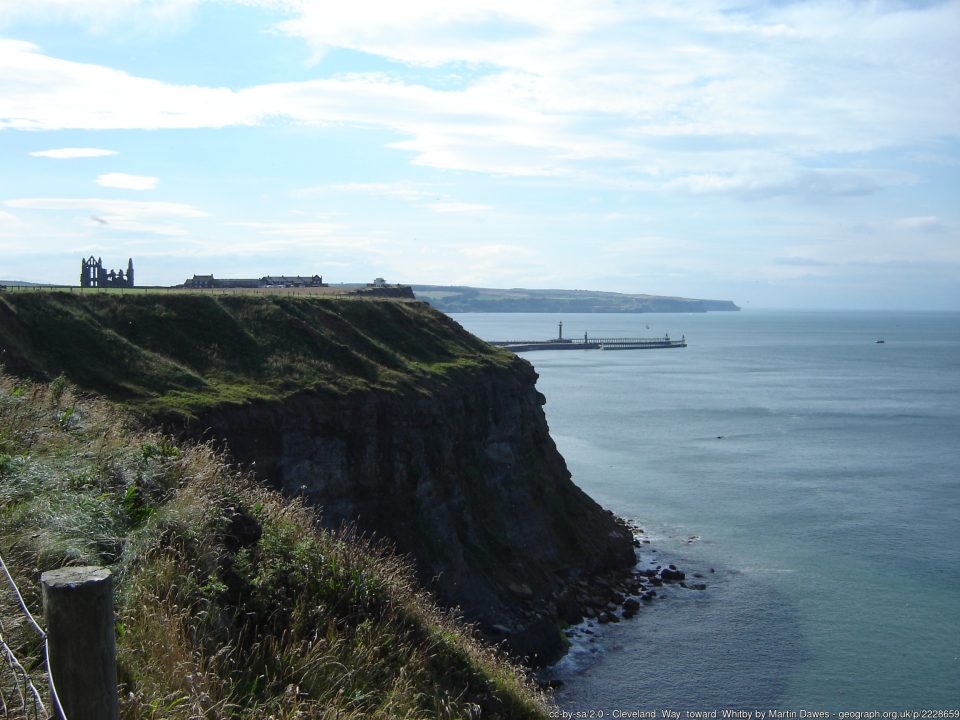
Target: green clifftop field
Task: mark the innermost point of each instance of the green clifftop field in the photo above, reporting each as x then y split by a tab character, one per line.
171	356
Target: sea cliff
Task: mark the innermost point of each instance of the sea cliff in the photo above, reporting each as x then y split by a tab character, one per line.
381	413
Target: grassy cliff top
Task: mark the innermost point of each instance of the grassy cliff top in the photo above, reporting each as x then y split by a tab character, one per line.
181	354
230	600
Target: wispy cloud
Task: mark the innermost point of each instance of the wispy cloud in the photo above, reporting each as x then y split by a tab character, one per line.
567	83
800	262
926	223
139	208
73	153
459	207
810	184
101	16
127	182
157	218
411	192
40	92
312	235
290	229
426	196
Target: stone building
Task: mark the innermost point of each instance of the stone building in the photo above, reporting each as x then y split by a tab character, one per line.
267	281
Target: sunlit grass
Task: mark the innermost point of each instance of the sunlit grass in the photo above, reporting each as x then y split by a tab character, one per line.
179	356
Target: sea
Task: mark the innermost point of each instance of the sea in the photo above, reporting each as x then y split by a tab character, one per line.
807	472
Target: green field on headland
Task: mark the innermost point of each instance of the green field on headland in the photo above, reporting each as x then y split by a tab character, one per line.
454	299
184	353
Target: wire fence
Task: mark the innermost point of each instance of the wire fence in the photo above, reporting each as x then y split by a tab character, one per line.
21	698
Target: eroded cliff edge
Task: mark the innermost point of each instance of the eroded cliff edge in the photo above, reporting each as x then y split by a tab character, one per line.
386	414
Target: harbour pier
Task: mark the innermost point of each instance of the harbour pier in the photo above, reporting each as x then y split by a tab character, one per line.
589	343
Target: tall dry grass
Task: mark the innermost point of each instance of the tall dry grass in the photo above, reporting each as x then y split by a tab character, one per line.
232	601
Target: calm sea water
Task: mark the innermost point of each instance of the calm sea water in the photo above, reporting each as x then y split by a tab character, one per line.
812	469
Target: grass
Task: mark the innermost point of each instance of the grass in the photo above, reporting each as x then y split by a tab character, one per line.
231	601
178	356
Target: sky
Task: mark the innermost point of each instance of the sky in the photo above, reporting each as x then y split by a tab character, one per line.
777	154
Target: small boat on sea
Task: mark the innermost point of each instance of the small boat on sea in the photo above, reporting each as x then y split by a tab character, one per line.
879	341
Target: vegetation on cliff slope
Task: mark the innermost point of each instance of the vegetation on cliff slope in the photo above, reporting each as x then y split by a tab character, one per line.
143	350
231	601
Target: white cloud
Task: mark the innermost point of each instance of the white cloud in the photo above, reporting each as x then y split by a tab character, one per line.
73	153
432	32
158	218
926	223
40	92
426	196
707	183
411	192
552	88
127	182
795	71
311	235
137	208
100	16
310	230
801	262
808	183
458	207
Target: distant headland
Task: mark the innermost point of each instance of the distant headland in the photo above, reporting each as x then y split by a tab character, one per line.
452	299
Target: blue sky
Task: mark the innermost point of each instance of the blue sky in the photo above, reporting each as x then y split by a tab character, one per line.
776	154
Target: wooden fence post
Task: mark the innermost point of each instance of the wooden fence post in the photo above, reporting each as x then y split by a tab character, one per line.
81	644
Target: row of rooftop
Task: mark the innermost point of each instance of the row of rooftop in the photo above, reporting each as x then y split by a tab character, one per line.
267	281
93	274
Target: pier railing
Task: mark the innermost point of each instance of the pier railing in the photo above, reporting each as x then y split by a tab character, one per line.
632	341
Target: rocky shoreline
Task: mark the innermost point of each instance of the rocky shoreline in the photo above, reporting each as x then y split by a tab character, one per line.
615	597
619	596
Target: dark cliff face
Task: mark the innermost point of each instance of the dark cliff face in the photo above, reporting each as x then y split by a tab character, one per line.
466	479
